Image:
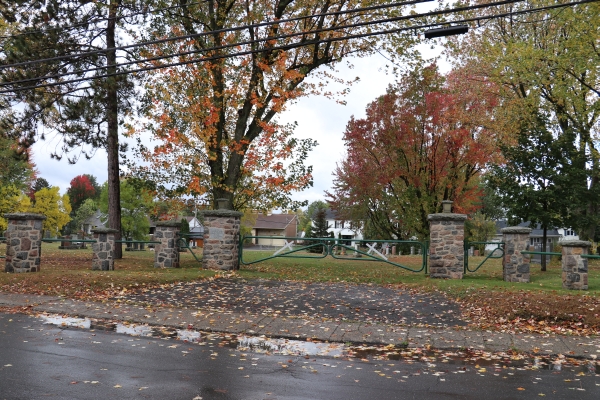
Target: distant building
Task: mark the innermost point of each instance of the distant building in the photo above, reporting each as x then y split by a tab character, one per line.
345	230
276	227
97	220
196	235
536	237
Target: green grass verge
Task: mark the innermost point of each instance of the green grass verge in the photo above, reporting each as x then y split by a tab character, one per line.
68	272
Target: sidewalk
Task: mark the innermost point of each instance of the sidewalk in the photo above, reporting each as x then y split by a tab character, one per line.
415	331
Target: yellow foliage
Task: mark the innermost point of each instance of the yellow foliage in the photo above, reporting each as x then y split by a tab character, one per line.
55	207
11	201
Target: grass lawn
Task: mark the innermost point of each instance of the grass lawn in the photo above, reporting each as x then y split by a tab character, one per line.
486	298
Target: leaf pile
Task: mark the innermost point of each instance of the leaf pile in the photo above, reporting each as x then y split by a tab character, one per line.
526	311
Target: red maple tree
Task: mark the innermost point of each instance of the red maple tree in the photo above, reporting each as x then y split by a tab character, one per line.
80	190
426	140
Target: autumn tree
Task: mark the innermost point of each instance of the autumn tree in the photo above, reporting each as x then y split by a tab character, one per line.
55	207
546	63
216	119
80	190
16	174
39	184
422	142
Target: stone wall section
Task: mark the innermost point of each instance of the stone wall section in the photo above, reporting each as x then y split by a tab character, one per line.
221	240
515	264
575	267
446	245
103	258
166	253
23	242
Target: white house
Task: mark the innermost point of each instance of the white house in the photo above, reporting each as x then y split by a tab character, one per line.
344	229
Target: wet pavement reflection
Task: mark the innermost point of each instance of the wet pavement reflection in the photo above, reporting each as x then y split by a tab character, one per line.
431	360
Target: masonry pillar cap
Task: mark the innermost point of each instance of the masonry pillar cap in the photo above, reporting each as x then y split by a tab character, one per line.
171	224
222	213
446	217
574	243
24	216
515	229
104	230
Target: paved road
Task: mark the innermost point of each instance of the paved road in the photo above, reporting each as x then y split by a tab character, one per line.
47	361
367	303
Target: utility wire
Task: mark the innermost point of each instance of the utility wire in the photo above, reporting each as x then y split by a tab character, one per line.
302	44
156	10
248	42
225	30
359	24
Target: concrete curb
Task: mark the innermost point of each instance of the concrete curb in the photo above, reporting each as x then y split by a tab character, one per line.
304	328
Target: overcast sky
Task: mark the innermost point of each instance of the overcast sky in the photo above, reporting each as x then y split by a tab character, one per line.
318	118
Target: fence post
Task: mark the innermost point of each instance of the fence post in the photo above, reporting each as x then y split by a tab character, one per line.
23	242
446	247
575	267
515	264
166	254
104	249
221	239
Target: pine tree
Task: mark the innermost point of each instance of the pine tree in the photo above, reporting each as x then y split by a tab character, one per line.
71	35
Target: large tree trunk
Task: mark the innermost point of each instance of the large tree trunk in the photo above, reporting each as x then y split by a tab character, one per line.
112	133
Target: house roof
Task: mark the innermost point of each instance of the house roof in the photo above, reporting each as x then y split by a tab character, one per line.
331	214
535	230
273	221
96	220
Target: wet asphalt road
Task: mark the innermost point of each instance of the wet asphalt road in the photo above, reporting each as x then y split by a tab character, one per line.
333	301
46	361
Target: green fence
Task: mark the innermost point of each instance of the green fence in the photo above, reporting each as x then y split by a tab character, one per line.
350	250
497	252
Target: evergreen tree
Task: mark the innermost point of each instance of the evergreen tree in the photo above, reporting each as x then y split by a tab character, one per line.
320	226
538	182
77	40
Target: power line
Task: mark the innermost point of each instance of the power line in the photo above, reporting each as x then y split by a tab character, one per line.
248	42
99	20
224	30
179	54
302	44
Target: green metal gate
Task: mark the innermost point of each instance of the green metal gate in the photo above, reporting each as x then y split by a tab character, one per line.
497	252
341	249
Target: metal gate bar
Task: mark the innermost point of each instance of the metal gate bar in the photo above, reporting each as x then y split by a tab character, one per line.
331	246
499	247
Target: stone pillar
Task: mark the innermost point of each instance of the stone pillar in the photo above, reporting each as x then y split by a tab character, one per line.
515	264
575	267
104	249
446	248
23	242
166	254
221	239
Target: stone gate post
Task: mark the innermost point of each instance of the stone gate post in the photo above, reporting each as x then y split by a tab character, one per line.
23	242
446	247
575	267
515	264
104	249
166	254
221	239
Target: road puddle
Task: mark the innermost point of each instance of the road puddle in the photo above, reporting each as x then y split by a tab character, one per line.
289	347
482	361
